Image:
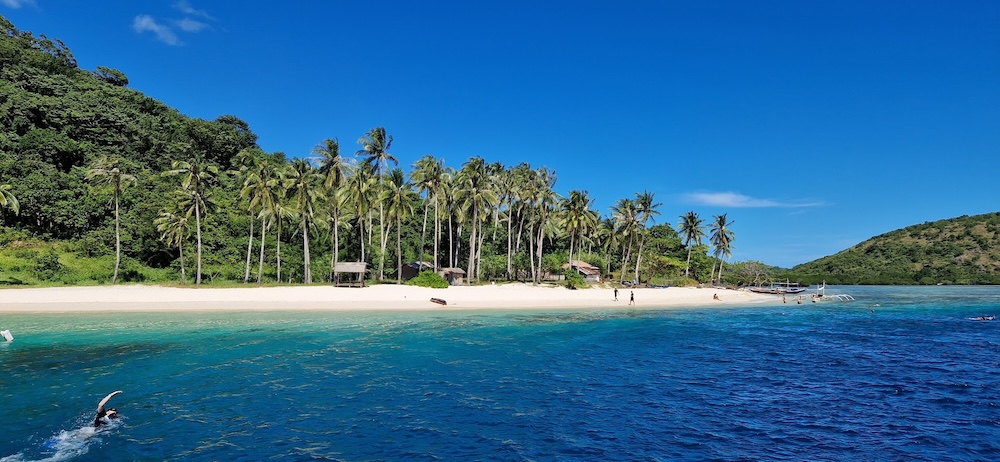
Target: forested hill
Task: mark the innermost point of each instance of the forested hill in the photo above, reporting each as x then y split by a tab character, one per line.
963	250
55	117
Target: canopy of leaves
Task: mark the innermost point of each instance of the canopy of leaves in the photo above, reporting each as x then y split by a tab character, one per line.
55	119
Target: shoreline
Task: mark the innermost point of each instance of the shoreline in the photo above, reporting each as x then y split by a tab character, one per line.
384	297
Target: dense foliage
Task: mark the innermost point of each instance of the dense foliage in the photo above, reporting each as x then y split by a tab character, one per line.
428	279
963	250
101	184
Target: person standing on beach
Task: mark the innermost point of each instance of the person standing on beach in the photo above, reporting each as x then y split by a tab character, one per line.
631	297
104	416
616	294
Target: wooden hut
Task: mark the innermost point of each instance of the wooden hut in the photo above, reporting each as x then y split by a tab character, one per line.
590	273
349	273
413	269
454	276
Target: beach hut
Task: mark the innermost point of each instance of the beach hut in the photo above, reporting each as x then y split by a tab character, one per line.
413	269
454	276
590	273
354	271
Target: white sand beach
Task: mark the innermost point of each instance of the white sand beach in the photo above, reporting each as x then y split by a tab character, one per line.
378	297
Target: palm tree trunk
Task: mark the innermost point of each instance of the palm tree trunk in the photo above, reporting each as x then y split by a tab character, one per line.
531	254
118	239
541	244
437	232
423	232
184	280
277	251
520	231
381	243
263	238
626	257
479	255
572	237
451	245
384	243
399	251
510	242
197	218
638	257
336	243
246	274
361	232
307	270
687	270
472	244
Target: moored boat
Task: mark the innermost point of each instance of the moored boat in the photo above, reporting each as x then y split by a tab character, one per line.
780	288
822	296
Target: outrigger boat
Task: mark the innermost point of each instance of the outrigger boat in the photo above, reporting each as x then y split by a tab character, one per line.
822	296
780	288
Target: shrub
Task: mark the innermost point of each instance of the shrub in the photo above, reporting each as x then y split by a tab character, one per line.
574	280
47	265
429	279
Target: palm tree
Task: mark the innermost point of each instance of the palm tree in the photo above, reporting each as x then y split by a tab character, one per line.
106	171
545	226
261	186
375	147
578	218
691	231
278	214
360	185
196	179
626	216
248	162
540	207
475	194
449	192
332	167
519	183
722	240
429	175
304	189
607	239
173	228
646	209
399	199
7	199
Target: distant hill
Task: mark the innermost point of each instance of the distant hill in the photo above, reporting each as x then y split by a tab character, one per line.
963	250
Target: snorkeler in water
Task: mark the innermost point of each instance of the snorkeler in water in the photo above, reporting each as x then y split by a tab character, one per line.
104	416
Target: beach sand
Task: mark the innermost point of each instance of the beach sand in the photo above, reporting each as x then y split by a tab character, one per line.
143	298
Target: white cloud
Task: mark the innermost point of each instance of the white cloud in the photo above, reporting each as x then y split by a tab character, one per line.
736	200
190	25
15	4
184	7
145	22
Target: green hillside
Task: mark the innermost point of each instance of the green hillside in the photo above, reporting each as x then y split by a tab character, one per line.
963	250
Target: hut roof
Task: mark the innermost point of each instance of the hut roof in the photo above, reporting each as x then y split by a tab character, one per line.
350	267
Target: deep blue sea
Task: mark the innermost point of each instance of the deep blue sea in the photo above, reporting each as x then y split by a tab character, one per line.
915	380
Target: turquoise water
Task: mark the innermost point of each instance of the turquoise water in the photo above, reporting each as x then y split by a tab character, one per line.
915	380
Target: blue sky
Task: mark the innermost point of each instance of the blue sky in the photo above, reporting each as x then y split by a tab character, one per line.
814	125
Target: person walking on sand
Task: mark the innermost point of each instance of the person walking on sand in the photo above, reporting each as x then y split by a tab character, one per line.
631	297
616	294
104	416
